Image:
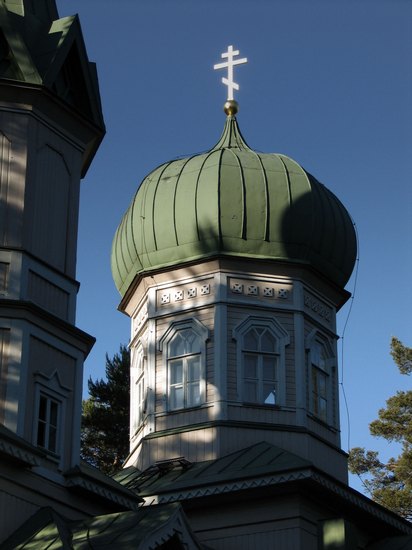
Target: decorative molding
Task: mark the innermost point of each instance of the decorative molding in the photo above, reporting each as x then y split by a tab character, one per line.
182	293
229	487
140	318
320	309
262	290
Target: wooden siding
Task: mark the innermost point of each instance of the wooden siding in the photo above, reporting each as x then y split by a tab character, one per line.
256	523
48	295
4	343
46	359
51	200
267	414
5	156
4	276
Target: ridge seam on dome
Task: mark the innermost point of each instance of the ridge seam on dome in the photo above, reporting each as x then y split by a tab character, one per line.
219	177
267	210
244	198
175	193
207	156
154	204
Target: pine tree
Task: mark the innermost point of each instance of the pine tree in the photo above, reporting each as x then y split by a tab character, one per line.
105	418
390	484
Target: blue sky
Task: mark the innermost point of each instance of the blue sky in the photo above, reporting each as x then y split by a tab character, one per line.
328	83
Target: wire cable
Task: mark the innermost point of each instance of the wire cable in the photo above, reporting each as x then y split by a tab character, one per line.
342	338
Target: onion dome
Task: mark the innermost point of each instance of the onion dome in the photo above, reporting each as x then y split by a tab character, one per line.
233	201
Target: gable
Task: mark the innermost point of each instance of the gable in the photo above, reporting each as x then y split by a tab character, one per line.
51	54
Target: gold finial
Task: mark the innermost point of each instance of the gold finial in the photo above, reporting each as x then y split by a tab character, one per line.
231	107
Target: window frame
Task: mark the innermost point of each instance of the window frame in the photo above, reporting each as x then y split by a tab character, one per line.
202	333
51	388
282	339
138	388
47	423
321	369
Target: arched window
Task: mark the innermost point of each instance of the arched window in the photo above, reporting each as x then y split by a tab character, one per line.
137	388
321	372
183	346
261	366
261	361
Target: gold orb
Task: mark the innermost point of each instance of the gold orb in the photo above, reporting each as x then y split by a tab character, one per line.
231	107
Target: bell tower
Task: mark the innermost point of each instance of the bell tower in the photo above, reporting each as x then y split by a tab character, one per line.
51	125
232	265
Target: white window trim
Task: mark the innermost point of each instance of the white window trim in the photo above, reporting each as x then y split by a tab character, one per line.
138	377
330	372
203	333
282	338
51	388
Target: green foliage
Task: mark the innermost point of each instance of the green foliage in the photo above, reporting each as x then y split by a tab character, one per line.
105	418
390	484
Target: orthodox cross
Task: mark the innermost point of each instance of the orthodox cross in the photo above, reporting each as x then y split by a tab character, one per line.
230	63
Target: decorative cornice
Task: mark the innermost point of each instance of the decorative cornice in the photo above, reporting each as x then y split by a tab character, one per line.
20	309
17	450
123	498
308	475
360	501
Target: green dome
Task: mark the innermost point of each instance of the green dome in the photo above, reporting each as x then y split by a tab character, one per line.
233	201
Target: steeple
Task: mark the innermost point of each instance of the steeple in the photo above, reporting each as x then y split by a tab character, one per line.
51	125
232	265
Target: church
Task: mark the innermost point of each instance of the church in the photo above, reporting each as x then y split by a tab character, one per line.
232	266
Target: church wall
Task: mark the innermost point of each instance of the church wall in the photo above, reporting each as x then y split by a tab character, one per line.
246	524
13	163
39	190
52	193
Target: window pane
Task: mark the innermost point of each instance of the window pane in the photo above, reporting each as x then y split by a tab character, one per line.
269	394
43	408
176	397
53	413
268	342
193	394
193	368
41	434
315	353
250	340
176	371
52	439
251	391
177	346
322	408
269	367
192	342
251	365
322	384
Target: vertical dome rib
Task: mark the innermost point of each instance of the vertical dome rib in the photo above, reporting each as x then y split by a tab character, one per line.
175	195
267	198
153	222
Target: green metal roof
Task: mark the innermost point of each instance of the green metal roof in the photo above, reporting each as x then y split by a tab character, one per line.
148	528
233	201
259	460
